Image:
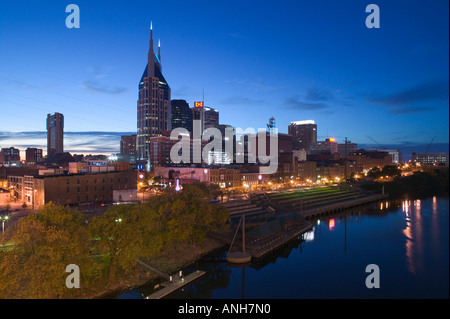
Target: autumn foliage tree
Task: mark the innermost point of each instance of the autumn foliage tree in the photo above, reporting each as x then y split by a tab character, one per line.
106	247
42	246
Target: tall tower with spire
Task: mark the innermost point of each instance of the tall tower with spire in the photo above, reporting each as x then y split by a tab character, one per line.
153	105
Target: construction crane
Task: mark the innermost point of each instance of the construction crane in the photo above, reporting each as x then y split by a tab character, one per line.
429	145
384	147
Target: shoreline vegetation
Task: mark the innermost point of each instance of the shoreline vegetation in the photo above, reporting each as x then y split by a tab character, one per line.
169	231
427	182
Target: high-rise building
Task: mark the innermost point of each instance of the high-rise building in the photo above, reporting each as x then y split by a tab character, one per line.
304	133
128	144
55	134
33	155
153	105
181	114
210	117
198	114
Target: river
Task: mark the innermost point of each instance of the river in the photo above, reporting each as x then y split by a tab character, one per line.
407	239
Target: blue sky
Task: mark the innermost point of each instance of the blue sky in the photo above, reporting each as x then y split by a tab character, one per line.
294	60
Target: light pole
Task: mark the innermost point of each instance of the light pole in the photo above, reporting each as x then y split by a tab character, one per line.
142	188
4	219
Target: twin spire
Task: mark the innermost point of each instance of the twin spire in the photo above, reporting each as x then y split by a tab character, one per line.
151	41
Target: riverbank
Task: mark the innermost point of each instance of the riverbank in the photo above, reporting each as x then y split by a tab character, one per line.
173	259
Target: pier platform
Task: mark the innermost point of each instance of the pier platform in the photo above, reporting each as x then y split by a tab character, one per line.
176	283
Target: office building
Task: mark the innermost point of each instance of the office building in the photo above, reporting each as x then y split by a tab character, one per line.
396	156
153	105
10	156
329	146
430	158
346	148
128	144
210	117
55	134
33	155
304	133
181	115
198	116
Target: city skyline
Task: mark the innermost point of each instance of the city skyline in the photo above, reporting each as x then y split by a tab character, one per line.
294	61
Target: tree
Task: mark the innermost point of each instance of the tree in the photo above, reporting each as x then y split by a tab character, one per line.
391	170
118	237
43	245
374	172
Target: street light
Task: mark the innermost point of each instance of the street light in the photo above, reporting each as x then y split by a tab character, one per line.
4	219
142	188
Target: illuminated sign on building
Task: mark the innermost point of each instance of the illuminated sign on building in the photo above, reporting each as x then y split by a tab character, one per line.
198	104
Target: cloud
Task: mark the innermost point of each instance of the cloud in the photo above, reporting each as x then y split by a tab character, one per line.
74	142
296	103
257	84
96	87
416	99
317	94
239	100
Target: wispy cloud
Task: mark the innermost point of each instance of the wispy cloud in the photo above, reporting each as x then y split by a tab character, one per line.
240	100
74	142
317	94
97	87
258	84
298	104
416	99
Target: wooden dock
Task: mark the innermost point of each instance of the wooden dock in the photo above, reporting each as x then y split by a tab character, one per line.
176	283
260	249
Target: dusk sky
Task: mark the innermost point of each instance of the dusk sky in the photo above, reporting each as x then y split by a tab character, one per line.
294	60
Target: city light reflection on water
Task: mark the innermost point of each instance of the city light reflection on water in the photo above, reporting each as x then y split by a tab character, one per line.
408	240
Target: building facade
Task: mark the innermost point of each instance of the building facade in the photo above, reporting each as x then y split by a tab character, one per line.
10	156
430	158
37	190
304	133
153	105
181	115
55	134
210	117
128	144
33	155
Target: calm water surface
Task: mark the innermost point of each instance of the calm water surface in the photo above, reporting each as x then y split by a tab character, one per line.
407	239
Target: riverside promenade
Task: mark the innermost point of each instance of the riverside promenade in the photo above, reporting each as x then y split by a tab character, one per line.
288	214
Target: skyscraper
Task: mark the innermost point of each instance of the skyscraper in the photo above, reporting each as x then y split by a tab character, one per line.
210	117
304	133
198	113
153	105
55	134
181	115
